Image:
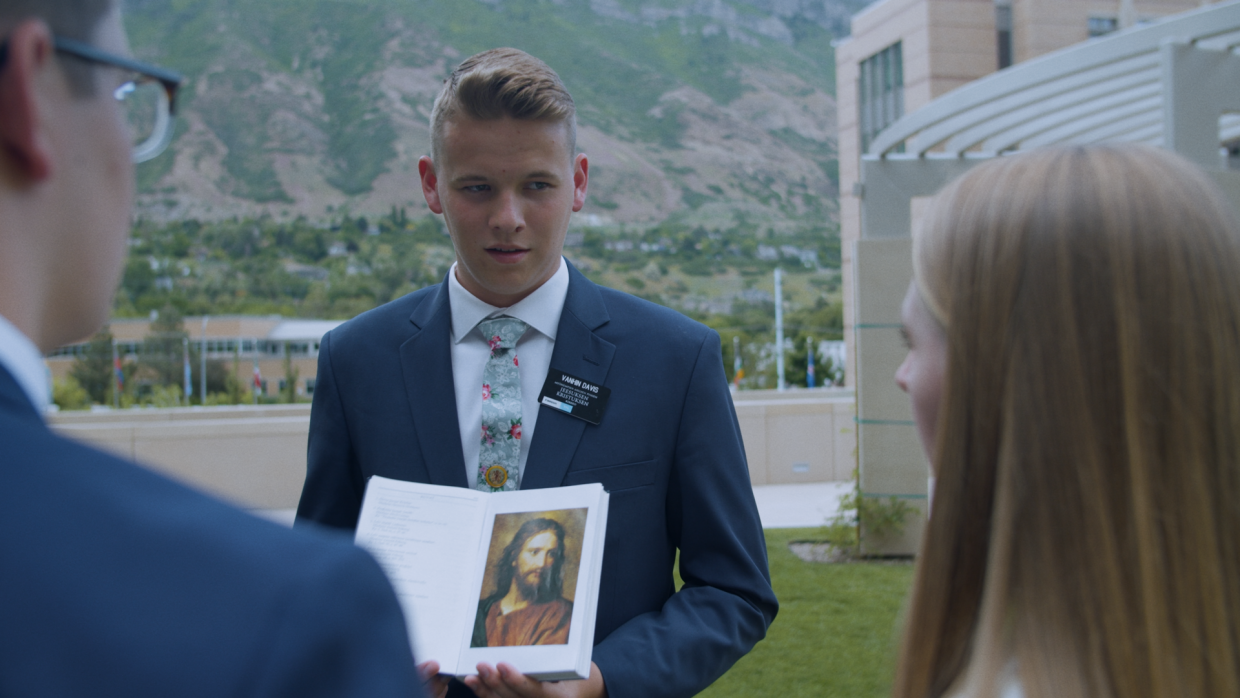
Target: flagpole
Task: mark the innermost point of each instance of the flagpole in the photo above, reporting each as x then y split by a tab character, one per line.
118	377
202	394
779	329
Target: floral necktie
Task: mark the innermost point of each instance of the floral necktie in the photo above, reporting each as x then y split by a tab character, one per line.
500	448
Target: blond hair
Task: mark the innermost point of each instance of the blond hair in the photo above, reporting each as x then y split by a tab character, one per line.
503	83
1086	527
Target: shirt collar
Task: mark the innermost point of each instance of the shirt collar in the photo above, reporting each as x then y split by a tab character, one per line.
540	310
22	359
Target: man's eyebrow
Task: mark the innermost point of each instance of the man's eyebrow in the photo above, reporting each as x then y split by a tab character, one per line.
469	178
542	174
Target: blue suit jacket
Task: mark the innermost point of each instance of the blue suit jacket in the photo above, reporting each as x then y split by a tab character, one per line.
668	449
115	581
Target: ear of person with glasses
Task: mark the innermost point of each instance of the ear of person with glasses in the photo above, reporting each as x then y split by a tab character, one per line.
116	581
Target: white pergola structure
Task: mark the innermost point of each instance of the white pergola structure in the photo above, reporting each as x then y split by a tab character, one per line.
1174	83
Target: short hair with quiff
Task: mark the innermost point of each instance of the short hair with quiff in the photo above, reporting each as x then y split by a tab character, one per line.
70	19
503	83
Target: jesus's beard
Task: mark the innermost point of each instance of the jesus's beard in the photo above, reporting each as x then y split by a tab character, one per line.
537	586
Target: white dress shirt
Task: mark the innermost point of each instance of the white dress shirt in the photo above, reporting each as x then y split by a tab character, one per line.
470	352
21	358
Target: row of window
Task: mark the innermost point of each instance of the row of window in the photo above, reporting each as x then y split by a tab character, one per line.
880	88
215	347
880	92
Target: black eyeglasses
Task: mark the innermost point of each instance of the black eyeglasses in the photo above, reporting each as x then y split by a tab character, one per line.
149	95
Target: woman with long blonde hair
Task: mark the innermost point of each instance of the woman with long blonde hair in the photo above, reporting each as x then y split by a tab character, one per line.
1074	367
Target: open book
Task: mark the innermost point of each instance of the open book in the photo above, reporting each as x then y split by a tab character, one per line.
505	577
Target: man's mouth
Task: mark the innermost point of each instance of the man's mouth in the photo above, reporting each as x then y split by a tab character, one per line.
507	254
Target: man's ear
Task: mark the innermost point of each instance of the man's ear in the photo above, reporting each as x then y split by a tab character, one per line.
426	170
581	177
22	136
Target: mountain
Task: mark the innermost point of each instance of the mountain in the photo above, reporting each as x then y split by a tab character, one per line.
711	114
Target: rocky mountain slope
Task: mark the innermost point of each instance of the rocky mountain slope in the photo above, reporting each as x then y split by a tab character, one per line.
716	114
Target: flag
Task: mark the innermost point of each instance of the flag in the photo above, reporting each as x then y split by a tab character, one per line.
189	383
258	378
738	371
809	362
120	373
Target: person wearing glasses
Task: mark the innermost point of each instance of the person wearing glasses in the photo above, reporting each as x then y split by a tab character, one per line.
113	580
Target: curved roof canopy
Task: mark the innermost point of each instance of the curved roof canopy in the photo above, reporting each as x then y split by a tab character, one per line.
1113	88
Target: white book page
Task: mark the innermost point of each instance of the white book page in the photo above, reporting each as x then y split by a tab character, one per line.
426	538
581	510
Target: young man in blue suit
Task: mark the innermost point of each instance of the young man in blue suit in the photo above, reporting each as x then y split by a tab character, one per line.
422	389
115	581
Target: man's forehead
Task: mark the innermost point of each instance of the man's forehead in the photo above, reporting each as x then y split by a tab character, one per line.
465	137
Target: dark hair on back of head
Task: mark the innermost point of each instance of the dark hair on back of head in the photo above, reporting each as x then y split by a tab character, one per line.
503	83
70	19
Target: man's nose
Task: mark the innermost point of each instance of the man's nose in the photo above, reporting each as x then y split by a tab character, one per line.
507	216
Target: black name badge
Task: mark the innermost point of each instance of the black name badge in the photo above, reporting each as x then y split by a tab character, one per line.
575	396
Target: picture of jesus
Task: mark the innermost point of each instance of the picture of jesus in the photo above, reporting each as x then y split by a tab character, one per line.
527	604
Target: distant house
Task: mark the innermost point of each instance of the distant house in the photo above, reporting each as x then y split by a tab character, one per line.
243	341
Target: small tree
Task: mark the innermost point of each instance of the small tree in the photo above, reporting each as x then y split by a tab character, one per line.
291	374
163	348
93	371
68	394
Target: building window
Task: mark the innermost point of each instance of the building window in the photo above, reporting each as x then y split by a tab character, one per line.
310	386
1098	26
881	92
1003	33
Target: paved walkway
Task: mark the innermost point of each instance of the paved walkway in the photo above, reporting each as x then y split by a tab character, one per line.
799	506
780	506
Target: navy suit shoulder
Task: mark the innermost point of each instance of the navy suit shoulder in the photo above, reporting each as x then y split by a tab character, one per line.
374	328
119	582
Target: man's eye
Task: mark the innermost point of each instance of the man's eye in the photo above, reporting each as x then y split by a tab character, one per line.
477	187
539	186
904	336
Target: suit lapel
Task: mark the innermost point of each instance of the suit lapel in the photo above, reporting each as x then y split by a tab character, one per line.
13	398
578	352
426	362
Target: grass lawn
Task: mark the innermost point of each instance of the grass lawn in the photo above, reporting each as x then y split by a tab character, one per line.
836	631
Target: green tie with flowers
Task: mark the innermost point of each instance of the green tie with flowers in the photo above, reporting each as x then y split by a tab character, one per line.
500	449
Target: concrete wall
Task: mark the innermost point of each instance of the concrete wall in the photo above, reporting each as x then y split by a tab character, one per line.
893	463
256	456
252	456
798	436
945	44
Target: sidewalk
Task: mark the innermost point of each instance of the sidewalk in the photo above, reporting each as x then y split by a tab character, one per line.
779	506
799	506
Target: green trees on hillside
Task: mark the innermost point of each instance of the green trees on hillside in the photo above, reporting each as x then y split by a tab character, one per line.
294	268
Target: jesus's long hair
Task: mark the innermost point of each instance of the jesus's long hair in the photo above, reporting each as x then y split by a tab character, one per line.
552	584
